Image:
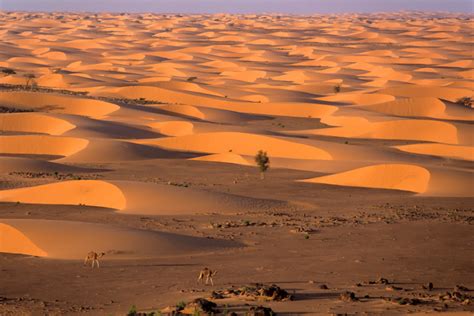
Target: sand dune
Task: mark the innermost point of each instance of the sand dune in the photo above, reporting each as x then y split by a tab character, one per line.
420	107
47	102
418	130
88	192
247	76
110	150
34	123
137	133
41	145
159	199
131	197
173	128
359	98
225	157
161	95
239	143
16	164
387	176
53	81
444	93
14	241
73	240
441	150
185	103
291	109
450	183
186	110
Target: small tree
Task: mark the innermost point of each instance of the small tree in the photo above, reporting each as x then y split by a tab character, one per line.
263	162
30	80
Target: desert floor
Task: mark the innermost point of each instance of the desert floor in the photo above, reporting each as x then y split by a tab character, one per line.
135	135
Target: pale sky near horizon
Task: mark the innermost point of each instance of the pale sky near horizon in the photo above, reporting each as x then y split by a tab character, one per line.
238	6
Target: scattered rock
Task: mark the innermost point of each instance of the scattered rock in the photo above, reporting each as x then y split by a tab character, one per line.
380	281
255	292
260	311
216	295
383	281
303	230
393	288
201	304
456	297
323	287
348	297
428	286
405	301
460	288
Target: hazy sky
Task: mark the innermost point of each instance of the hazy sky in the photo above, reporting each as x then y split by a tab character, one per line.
239	6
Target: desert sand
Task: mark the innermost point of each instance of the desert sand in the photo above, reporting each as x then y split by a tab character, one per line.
135	135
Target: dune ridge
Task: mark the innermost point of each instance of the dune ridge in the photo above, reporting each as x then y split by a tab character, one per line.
386	176
131	197
71	240
240	143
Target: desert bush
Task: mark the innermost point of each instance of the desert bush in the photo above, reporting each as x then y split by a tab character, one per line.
181	305
132	311
337	88
12	109
8	71
466	101
263	162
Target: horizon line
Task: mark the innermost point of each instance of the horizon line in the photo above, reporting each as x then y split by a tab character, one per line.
421	12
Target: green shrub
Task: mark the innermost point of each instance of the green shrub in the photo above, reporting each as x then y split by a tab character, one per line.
132	311
181	305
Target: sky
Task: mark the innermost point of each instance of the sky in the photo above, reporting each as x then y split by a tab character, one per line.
238	6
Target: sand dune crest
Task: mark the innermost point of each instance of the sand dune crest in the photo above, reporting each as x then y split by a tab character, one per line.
387	176
87	192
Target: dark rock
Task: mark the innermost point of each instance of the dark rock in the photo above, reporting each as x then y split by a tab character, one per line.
383	281
380	281
215	295
393	288
260	311
406	301
203	305
460	288
348	297
255	292
429	286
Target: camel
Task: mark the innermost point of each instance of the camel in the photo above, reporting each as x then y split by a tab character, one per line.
94	258
208	274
